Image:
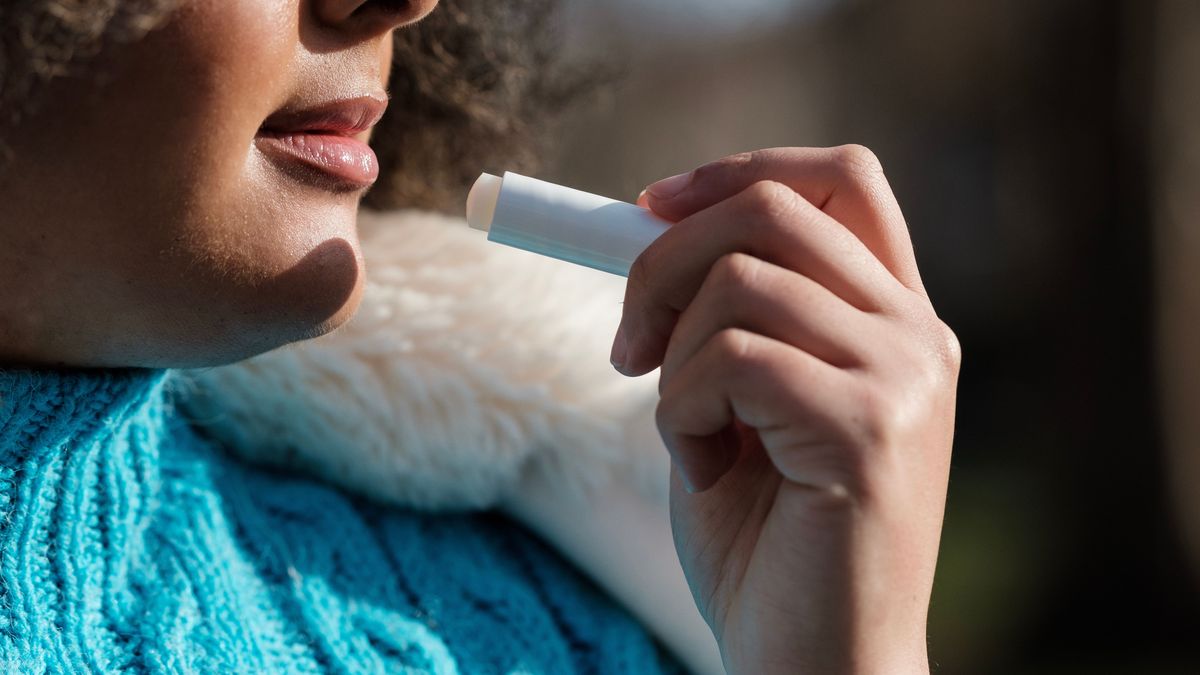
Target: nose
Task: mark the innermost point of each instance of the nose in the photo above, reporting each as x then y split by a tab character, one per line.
367	18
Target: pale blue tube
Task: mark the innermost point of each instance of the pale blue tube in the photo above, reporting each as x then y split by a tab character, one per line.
561	222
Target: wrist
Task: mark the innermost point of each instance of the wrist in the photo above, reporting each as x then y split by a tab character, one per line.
901	660
854	638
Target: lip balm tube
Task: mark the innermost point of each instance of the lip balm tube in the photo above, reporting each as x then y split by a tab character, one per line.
561	222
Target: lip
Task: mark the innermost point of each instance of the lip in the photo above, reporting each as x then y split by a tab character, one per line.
318	144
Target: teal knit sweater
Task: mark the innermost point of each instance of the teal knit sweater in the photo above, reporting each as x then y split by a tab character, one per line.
128	542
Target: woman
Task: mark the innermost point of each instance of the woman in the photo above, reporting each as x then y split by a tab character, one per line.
194	202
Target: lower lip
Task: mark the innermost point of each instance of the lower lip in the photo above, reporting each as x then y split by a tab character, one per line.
331	161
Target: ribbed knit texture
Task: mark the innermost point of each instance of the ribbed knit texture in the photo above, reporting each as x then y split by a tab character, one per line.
130	543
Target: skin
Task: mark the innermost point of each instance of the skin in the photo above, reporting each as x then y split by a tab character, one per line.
808	393
807	384
195	249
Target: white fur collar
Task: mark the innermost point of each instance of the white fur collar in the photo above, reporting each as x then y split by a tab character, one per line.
477	376
467	364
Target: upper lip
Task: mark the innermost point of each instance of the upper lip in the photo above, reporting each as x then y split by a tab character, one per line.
343	117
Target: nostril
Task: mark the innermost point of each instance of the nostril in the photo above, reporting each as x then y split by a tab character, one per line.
368	18
385	6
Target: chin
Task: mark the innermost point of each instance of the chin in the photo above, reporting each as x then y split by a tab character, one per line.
310	297
313	297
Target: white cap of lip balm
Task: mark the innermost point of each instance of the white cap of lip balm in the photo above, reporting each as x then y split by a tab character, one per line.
561	222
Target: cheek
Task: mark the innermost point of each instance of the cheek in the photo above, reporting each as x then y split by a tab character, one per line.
262	245
171	210
188	100
242	61
221	68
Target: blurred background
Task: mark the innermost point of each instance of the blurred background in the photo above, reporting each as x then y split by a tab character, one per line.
1046	153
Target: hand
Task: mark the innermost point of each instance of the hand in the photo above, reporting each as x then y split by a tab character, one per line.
808	394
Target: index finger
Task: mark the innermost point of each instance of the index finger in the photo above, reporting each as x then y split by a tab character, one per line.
847	183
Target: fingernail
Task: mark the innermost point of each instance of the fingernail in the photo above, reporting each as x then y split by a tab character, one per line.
620	349
669	187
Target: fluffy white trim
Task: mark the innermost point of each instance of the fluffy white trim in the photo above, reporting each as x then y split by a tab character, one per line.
477	376
468	364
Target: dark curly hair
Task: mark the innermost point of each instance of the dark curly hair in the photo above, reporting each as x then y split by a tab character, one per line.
474	85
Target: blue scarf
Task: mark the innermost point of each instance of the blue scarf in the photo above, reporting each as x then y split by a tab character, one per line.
129	542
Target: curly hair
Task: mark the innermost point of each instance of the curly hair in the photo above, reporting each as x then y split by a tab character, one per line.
474	85
41	40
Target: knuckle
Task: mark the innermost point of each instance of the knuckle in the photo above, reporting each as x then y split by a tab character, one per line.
768	200
949	349
857	161
734	273
859	169
932	341
732	345
845	467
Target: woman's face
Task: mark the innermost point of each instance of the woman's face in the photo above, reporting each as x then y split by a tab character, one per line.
194	202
